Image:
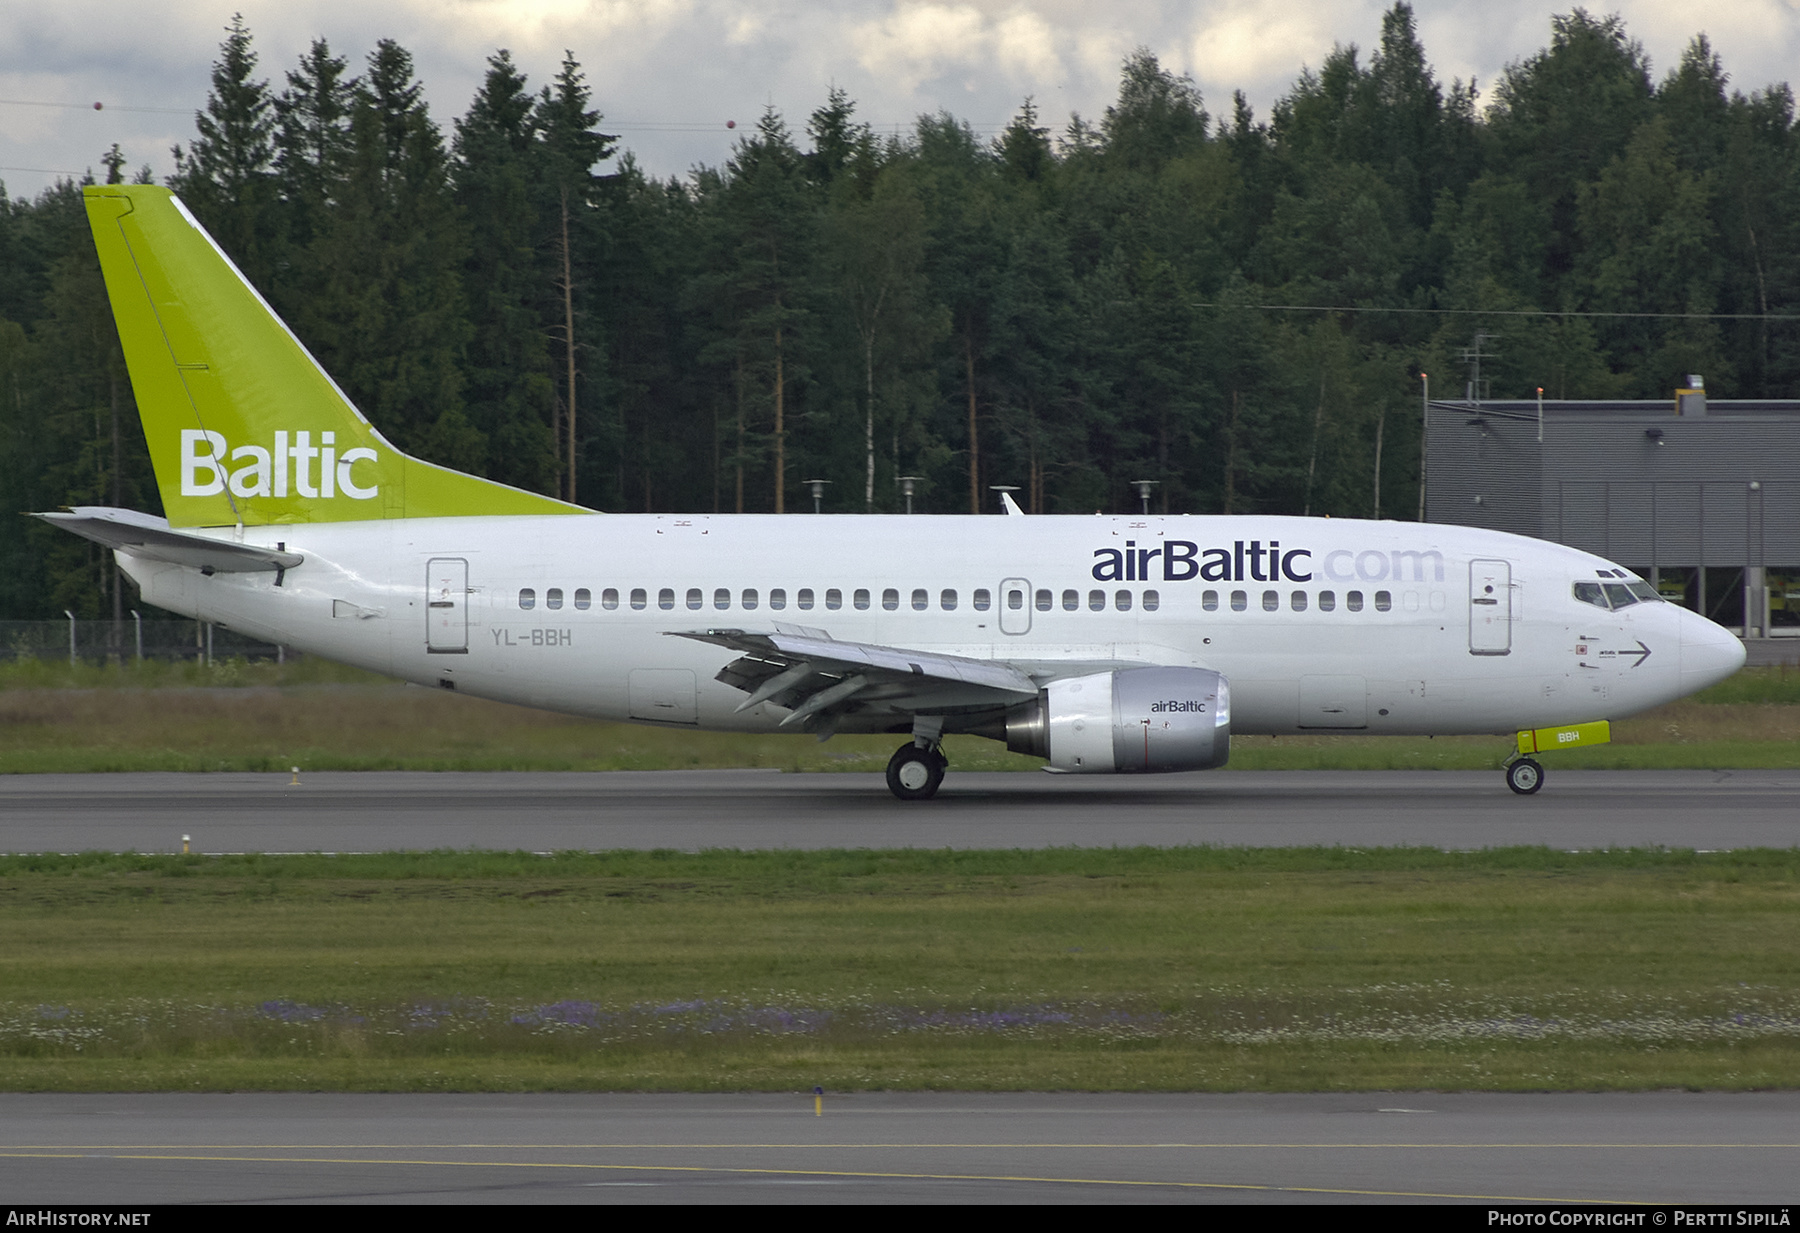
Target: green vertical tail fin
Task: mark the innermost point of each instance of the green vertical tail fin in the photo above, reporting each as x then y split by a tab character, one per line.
244	426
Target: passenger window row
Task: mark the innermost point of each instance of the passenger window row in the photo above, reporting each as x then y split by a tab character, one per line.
981	600
1298	601
1072	600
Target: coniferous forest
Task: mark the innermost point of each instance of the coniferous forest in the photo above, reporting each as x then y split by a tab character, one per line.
1069	307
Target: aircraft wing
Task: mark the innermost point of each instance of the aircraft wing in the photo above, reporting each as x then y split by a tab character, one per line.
815	677
150	537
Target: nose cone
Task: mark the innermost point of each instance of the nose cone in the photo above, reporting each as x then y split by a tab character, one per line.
1709	654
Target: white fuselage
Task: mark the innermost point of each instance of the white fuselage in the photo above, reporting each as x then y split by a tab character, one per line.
1383	627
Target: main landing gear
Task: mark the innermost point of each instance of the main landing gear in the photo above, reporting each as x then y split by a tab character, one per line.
914	772
1524	776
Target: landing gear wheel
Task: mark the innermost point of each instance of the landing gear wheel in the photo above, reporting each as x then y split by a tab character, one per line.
1524	777
913	774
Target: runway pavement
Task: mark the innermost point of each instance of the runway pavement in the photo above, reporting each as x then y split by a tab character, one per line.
768	809
1662	1147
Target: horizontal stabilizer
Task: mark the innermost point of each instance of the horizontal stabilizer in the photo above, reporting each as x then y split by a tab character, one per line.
150	537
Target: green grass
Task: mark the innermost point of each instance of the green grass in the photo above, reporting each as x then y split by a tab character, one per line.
1133	969
318	716
1777	684
223	673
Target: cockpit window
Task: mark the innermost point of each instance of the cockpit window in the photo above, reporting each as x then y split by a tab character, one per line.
1615	595
1620	595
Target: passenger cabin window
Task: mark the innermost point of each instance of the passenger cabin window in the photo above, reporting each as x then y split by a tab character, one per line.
1097	601
1152	601
1044	601
721	598
860	599
1071	600
1353	601
834	598
528	599
640	599
1271	600
1297	601
1384	600
1209	600
1122	601
694	598
665	599
947	600
921	599
609	599
1015	599
777	598
553	597
1239	601
584	599
890	599
982	599
748	599
1327	601
803	598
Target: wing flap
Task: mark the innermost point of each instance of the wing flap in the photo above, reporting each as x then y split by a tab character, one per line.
815	676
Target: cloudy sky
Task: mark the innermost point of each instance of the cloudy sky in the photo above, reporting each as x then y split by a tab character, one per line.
670	74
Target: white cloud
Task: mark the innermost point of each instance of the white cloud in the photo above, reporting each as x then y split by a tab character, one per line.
921	42
1025	46
1236	44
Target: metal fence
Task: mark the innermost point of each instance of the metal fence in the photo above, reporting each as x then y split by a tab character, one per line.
129	640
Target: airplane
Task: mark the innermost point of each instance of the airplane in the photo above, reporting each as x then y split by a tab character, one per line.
1101	644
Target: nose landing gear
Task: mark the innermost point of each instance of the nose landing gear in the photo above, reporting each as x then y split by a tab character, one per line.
1524	776
914	772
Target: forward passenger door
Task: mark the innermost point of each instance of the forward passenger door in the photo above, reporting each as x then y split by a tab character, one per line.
1490	608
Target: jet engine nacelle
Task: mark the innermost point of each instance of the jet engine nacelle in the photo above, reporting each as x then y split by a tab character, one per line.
1134	719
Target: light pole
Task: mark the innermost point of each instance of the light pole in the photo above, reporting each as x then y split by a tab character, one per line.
1143	490
818	491
1424	427
1004	490
71	617
906	486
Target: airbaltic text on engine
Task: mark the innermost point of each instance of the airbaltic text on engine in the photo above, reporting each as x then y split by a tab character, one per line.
267	473
1183	560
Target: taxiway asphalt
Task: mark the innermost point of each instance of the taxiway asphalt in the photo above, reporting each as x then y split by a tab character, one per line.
691	810
1384	1147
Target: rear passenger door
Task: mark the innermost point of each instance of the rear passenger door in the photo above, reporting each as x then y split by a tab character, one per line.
447	606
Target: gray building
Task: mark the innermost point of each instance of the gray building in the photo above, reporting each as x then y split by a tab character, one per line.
1702	499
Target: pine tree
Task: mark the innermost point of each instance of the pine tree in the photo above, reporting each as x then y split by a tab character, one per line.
570	227
312	143
389	322
510	396
225	175
766	225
